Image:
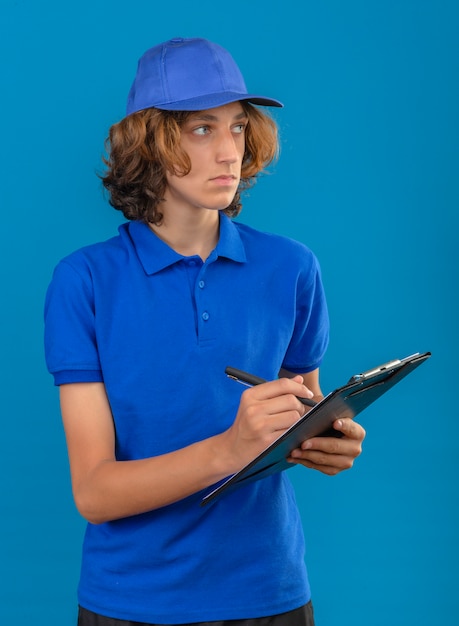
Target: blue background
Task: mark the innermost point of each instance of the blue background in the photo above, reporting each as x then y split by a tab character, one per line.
368	178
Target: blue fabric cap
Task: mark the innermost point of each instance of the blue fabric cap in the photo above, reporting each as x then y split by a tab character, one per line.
189	75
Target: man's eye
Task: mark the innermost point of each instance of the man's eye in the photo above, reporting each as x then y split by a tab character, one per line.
239	128
201	130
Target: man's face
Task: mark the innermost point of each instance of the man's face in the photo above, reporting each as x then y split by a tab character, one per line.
215	142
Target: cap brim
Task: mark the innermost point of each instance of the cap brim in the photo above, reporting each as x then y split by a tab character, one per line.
209	101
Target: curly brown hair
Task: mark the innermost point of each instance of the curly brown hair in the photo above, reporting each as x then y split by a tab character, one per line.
143	146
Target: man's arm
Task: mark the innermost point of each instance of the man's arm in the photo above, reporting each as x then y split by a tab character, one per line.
106	489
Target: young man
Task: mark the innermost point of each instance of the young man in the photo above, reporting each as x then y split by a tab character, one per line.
139	330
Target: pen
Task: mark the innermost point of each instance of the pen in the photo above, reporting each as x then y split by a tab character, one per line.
250	380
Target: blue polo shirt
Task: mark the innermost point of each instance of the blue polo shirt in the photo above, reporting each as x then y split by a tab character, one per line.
136	315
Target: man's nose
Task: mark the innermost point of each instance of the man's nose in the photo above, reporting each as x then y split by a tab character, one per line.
227	148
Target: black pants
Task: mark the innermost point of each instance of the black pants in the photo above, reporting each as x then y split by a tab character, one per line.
299	617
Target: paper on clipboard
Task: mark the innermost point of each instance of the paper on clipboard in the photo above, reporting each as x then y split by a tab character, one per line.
346	401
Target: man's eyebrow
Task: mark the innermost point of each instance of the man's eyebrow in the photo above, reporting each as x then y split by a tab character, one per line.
208	117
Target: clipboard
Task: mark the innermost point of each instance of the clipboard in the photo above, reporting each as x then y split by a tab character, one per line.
346	401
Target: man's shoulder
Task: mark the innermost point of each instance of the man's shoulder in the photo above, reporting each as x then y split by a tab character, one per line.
98	254
272	243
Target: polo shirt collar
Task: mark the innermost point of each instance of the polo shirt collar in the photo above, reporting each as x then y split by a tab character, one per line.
155	255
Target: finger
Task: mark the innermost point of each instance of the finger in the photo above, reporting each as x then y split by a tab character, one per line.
330	470
350	428
281	422
280	387
275	414
271	404
329	446
319	457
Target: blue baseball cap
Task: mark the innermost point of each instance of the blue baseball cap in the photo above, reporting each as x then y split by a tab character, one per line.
189	75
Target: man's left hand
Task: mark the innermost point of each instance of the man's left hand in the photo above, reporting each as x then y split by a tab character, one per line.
331	455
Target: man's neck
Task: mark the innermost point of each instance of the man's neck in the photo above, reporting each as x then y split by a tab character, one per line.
196	236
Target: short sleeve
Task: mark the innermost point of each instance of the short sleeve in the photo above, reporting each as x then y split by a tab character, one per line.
311	333
70	338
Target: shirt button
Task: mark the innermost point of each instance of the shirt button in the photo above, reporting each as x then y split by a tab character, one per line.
201	284
191	263
205	316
